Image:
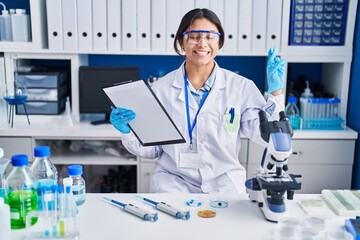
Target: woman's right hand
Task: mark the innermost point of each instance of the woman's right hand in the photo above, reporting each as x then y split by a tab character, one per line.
120	117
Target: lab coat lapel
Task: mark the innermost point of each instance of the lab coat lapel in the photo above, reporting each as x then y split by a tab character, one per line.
179	84
215	93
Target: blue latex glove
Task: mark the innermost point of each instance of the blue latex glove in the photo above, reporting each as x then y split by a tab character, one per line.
120	117
275	71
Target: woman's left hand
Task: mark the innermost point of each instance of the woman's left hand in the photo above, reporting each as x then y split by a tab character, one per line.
275	72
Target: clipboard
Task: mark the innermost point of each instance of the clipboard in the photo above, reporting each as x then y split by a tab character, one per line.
152	125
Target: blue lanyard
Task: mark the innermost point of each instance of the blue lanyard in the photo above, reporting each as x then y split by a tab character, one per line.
192	126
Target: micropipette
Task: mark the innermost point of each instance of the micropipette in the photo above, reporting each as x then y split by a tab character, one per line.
134	210
168	209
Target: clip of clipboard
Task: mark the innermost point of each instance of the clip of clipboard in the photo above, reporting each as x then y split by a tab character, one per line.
152	125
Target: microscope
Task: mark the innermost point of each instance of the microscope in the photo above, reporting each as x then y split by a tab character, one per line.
270	184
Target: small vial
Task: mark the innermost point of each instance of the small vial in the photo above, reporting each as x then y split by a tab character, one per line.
78	183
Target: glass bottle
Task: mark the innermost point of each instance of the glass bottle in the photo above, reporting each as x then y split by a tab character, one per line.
292	112
78	183
20	192
44	171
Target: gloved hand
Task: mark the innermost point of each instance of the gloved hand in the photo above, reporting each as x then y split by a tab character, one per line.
275	71
120	117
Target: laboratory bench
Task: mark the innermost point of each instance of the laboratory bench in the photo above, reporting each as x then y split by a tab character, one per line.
241	219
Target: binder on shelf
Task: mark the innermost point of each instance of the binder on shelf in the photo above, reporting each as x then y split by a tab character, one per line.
128	25
186	6
69	20
158	25
173	19
152	125
143	25
54	24
114	25
202	4
274	13
230	24
217	6
245	25
84	17
99	14
259	26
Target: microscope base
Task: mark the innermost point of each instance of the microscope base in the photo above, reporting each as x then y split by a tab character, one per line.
266	209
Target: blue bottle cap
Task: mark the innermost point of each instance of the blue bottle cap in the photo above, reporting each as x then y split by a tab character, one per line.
42	151
292	99
75	170
60	189
19	160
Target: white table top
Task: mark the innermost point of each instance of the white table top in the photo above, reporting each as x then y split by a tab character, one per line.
242	219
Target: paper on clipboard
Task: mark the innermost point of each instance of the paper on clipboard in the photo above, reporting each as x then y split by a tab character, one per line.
152	125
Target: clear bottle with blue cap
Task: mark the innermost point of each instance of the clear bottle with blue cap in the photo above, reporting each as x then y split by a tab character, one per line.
44	171
78	183
20	192
293	113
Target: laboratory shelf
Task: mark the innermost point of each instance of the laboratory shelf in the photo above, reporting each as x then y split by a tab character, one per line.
91	159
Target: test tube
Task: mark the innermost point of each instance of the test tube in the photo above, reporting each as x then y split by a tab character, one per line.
54	215
61	210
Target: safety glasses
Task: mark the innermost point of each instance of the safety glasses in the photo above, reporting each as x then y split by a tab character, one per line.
195	36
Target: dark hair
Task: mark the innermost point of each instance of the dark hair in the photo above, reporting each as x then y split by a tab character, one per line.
190	17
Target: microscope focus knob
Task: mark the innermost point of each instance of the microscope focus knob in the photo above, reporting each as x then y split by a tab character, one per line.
285	168
290	194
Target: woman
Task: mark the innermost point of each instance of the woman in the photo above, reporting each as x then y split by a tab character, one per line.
211	106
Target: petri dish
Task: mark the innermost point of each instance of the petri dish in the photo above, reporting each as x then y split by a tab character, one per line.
339	235
307	233
206	213
316	223
283	232
289	222
217	203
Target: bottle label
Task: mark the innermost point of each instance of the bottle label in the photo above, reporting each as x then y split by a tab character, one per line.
21	203
79	194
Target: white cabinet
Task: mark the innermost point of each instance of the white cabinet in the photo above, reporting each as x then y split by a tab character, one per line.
323	164
16	145
146	170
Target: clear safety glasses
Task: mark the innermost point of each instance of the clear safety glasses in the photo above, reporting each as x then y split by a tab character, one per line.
195	36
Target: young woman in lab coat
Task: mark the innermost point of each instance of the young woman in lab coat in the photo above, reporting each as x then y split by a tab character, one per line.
211	106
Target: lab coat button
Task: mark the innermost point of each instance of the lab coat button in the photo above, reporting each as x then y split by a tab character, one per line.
201	140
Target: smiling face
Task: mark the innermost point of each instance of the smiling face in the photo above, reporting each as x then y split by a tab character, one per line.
201	54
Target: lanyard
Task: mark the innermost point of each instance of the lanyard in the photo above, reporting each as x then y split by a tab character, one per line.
192	126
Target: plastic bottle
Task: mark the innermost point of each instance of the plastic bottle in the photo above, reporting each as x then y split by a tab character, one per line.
4	220
20	193
292	112
305	105
20	26
44	171
5	26
78	183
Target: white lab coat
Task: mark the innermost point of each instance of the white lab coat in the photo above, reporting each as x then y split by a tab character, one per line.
212	165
